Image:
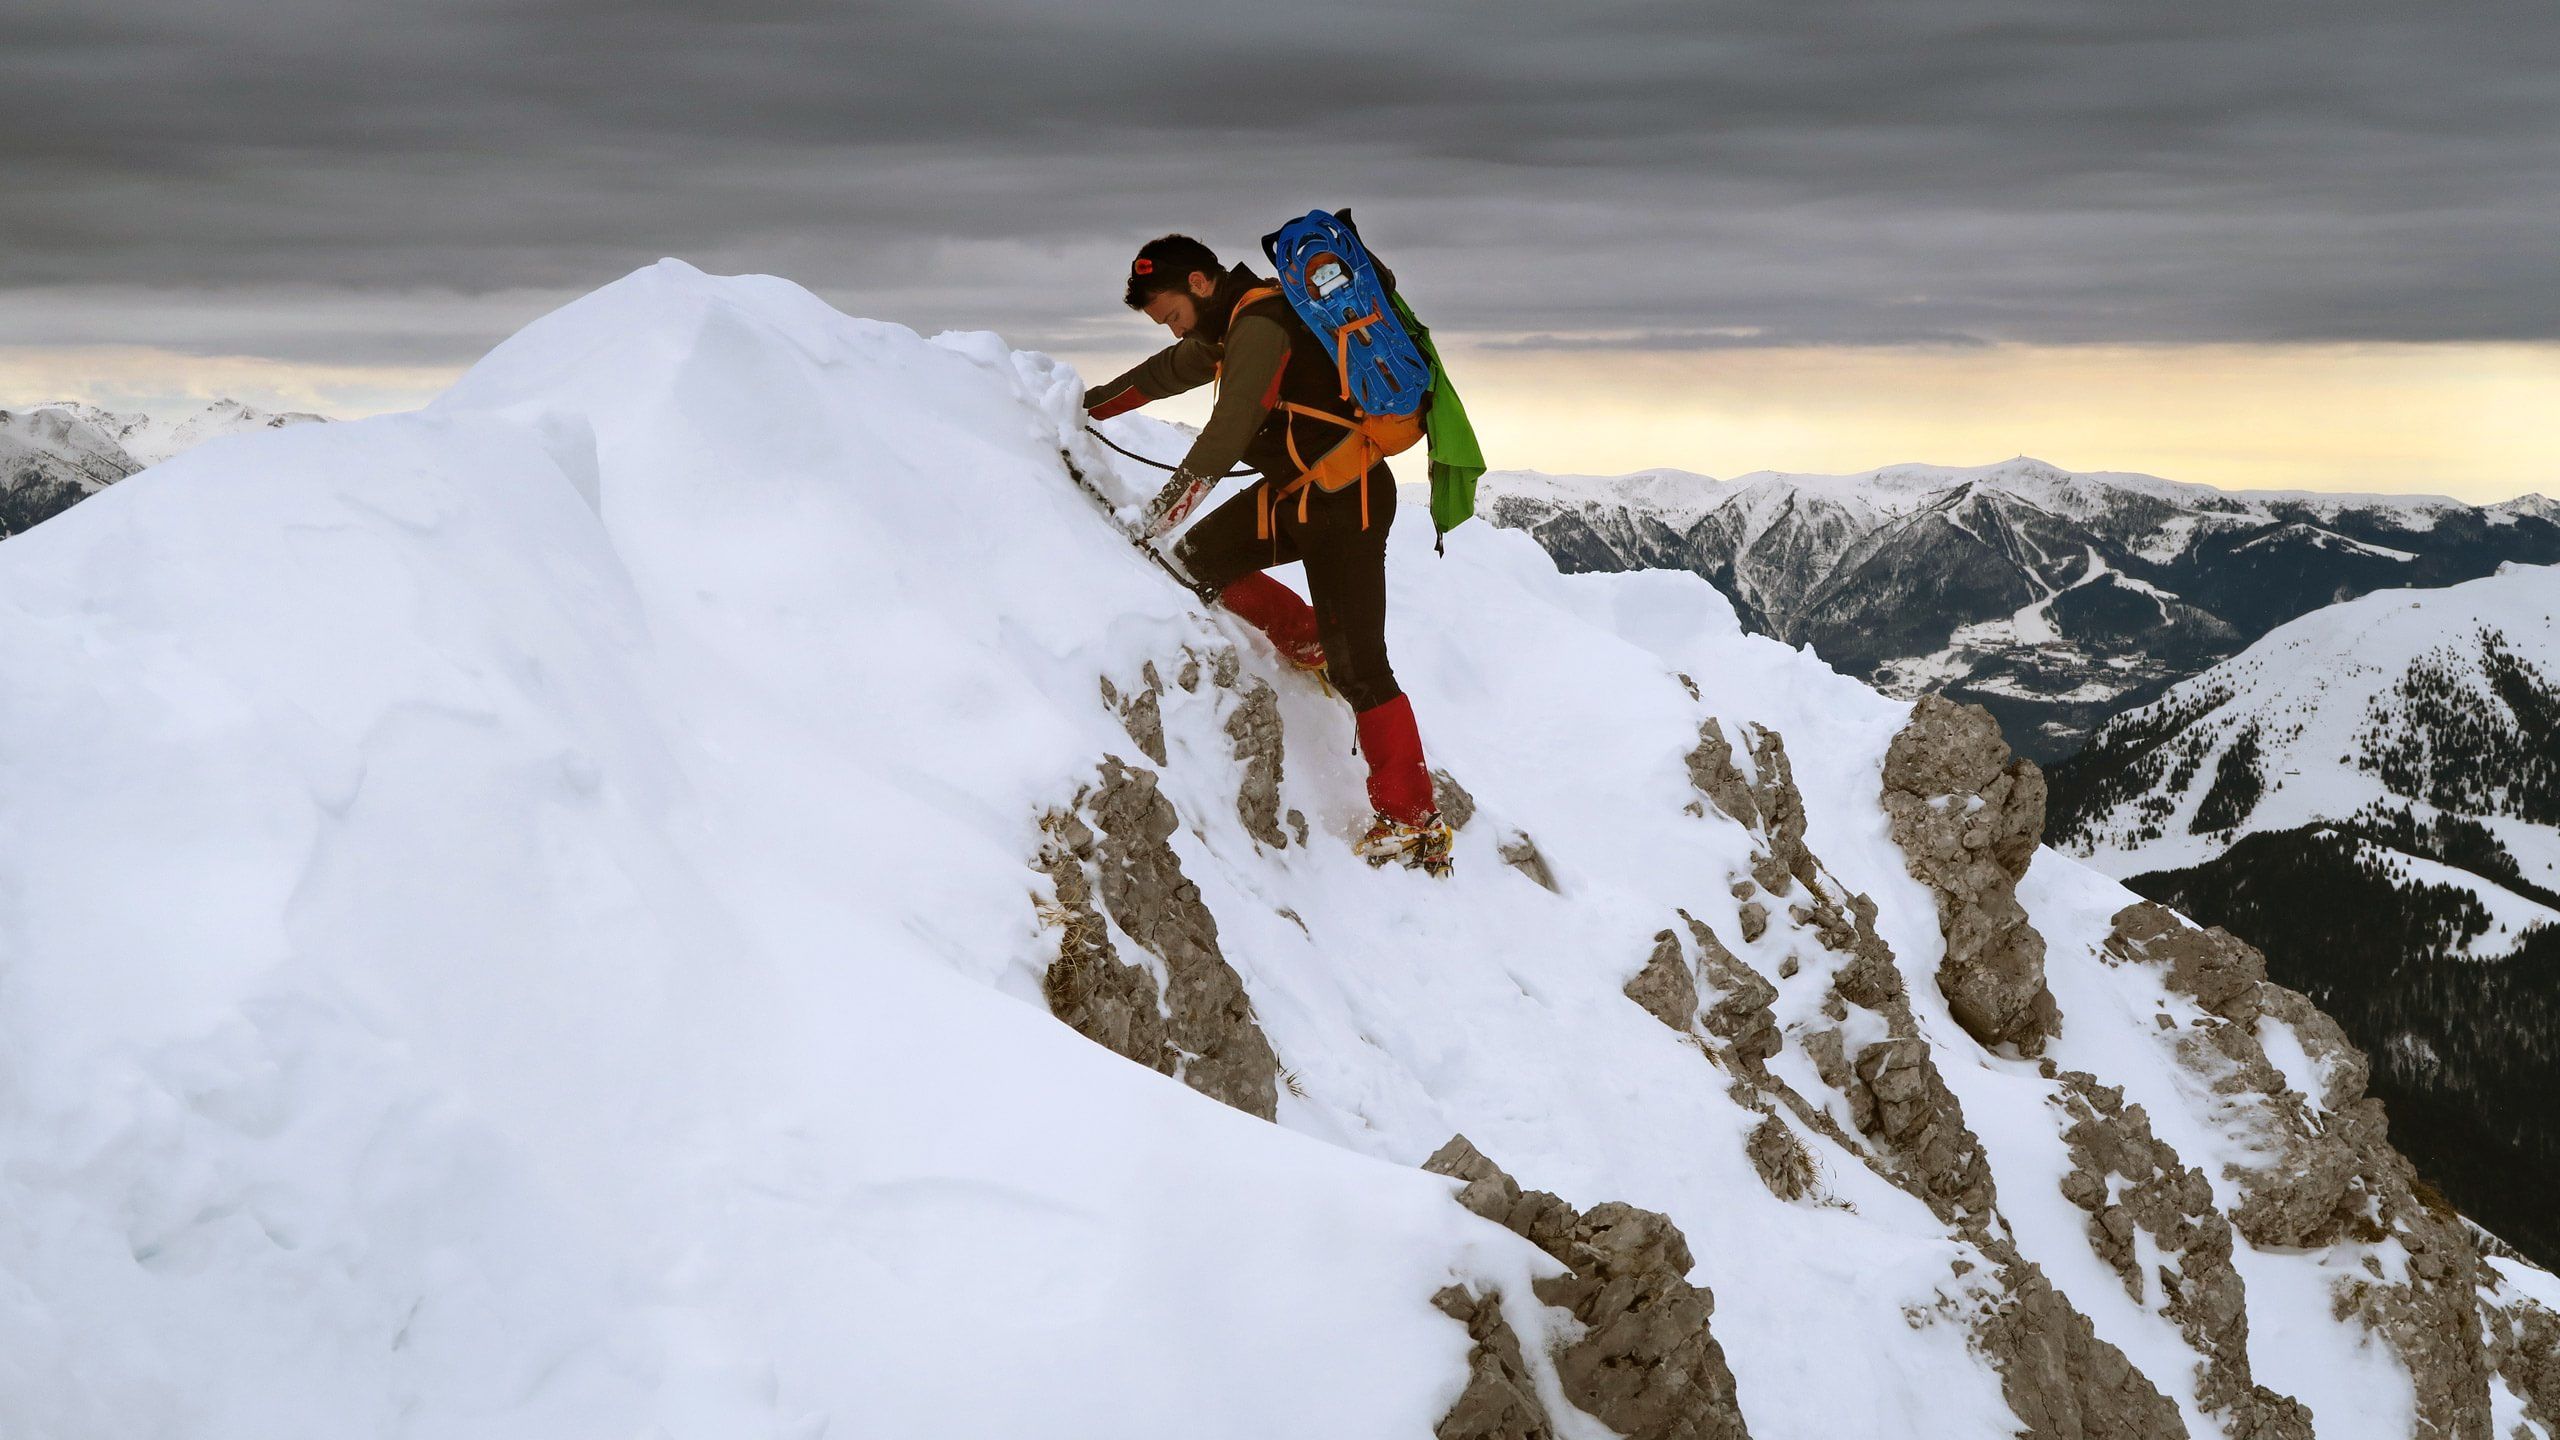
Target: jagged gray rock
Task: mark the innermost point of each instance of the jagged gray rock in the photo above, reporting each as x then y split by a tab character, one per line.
1647	1364
1739	1003
1254	726
1140	712
1768	803
1099	995
1500	1401
2060	1379
1968	816
1900	1098
1712	770
1780	1159
1521	853
1457	807
1664	987
2524	1347
1208	1018
2128	1179
2329	1176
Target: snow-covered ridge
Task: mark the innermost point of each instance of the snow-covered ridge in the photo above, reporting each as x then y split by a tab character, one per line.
152	438
2318	695
1925	578
59	453
550	915
1898	489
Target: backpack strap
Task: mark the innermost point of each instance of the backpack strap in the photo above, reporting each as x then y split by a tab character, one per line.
1258	292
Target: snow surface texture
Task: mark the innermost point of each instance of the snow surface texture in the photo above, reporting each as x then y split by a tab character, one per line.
520	919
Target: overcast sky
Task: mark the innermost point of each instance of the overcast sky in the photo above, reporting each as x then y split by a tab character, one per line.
351	184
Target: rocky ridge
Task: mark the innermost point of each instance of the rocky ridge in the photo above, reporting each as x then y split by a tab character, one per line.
2052	597
1966	815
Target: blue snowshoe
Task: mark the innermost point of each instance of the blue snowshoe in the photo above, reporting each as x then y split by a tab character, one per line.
1333	285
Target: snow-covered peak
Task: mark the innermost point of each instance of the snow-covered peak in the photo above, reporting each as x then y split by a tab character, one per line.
1893	490
552	914
1674	495
2320	704
152	437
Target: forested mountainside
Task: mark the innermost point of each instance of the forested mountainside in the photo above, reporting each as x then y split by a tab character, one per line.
2371	794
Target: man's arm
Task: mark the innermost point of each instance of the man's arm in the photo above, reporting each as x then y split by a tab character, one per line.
1256	349
1183	365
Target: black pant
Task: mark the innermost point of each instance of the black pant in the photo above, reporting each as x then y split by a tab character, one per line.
1346	571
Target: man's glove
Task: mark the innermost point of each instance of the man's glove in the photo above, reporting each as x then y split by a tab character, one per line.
1180	496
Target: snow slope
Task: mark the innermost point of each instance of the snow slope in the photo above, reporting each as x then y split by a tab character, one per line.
2327	702
519	920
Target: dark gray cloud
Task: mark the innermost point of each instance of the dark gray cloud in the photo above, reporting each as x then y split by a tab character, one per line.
1575	176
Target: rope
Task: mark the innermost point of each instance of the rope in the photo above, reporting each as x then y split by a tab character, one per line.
1161	560
1158	464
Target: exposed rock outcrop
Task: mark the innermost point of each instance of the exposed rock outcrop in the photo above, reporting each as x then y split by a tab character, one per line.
1208	1020
2128	1179
2056	1374
1140	711
1664	988
1521	853
1501	1400
1646	1364
1767	802
2061	1380
1456	806
1780	1159
1254	726
2524	1348
1717	990
1100	996
1968	816
1737	1002
1899	1097
2329	1173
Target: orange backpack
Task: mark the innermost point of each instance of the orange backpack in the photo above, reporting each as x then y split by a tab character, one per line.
1372	437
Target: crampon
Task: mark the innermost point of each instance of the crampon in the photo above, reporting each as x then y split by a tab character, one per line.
1423	847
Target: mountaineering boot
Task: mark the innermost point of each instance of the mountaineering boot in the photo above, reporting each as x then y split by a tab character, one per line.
1275	610
1424	846
1408	827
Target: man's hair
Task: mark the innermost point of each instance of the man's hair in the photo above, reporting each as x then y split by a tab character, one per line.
1167	263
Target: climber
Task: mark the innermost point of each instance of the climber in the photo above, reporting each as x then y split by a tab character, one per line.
1233	327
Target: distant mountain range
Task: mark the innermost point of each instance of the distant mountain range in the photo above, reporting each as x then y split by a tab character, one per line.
2371	794
57	454
2050	597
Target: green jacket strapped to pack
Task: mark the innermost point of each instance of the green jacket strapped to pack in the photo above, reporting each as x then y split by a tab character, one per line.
1456	460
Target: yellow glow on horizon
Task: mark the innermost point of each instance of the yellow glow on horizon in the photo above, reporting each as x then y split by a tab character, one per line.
135	377
2481	422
